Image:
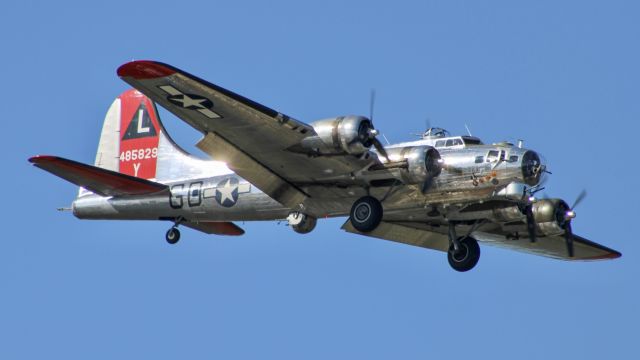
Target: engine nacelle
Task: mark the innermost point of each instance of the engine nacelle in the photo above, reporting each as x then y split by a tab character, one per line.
344	134
550	216
422	162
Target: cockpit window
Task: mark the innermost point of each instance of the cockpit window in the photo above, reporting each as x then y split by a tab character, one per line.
457	142
479	159
472	141
493	155
513	158
450	142
440	143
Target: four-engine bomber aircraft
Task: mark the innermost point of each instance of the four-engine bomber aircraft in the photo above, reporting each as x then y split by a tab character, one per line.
441	192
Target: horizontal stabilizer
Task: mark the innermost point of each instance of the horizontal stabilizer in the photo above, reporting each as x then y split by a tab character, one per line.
218	228
100	181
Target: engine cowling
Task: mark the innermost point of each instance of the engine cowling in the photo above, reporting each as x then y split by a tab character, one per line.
419	163
344	134
550	216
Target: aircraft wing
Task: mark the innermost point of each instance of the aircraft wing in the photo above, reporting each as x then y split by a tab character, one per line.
550	246
254	140
436	238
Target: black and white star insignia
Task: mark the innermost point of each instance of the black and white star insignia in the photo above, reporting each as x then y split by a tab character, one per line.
190	101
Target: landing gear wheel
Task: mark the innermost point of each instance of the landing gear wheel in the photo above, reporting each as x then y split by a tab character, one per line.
467	255
301	223
173	235
366	214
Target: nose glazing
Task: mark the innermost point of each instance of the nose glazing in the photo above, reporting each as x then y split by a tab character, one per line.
532	168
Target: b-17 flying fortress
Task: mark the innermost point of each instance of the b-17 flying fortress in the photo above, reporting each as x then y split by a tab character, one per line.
442	192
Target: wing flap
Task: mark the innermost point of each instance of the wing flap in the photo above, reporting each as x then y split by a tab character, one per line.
404	234
100	181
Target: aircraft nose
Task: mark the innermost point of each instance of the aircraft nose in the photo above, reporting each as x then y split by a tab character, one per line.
532	168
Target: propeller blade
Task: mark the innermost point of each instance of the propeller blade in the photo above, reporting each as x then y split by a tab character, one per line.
372	101
372	135
579	199
531	224
380	148
426	185
568	237
543	181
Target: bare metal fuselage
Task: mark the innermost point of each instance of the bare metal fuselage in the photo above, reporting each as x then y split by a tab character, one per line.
469	175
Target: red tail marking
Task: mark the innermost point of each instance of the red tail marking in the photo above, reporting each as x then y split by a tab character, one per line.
139	135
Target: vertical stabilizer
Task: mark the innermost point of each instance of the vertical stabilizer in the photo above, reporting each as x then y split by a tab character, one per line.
134	142
108	147
130	136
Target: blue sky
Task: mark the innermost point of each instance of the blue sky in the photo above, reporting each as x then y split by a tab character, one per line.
563	75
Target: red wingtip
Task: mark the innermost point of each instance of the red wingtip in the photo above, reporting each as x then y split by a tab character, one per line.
42	158
612	255
144	69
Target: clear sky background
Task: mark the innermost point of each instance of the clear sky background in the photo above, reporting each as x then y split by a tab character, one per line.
563	75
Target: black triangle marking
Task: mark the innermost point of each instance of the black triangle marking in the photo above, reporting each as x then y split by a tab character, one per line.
138	131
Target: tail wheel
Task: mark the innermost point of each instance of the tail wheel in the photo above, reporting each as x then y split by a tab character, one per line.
467	255
366	214
173	236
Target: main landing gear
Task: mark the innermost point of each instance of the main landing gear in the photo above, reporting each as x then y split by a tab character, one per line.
464	252
173	234
366	214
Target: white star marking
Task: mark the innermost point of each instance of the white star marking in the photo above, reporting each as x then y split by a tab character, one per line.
188	102
226	192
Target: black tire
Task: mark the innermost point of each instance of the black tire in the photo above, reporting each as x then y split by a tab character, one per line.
366	214
306	226
173	236
467	256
